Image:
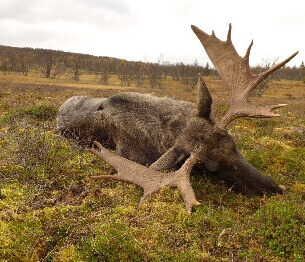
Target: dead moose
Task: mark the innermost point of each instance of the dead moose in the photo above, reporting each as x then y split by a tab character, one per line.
164	133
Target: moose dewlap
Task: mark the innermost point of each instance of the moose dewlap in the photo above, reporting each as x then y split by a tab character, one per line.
164	133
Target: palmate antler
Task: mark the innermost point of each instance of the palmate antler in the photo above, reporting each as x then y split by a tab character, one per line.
150	180
235	72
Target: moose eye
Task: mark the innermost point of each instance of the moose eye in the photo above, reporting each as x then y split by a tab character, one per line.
101	107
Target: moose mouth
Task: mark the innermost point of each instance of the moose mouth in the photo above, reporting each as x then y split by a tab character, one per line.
246	179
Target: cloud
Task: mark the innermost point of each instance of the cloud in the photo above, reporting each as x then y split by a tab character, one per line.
104	13
70	25
140	29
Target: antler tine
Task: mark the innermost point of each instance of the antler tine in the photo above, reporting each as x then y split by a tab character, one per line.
150	180
235	72
240	107
229	34
268	72
184	185
247	55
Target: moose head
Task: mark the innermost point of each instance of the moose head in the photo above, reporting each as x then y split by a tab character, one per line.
164	133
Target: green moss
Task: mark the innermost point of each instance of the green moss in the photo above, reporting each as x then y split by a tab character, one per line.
111	242
11	195
69	253
50	210
295	161
20	238
282	227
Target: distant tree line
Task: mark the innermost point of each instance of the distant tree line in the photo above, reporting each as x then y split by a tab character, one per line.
52	64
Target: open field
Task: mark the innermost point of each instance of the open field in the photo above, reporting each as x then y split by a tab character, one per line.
50	210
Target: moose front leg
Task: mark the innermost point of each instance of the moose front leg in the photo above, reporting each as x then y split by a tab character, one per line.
169	159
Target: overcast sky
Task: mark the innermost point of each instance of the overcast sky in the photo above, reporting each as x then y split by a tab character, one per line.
142	30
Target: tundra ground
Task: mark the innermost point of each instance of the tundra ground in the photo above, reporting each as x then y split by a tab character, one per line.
50	209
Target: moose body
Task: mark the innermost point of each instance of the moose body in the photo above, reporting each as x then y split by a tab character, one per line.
143	127
140	127
164	133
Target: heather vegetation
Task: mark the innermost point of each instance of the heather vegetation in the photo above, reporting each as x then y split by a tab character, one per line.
50	209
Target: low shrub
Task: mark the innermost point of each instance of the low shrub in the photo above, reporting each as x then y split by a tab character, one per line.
41	112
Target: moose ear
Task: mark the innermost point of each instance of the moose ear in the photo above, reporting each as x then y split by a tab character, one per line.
204	99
